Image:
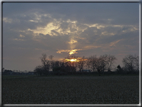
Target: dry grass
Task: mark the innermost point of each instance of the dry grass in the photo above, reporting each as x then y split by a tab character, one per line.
70	90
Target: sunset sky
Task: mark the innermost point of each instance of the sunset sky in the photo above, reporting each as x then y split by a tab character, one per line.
31	29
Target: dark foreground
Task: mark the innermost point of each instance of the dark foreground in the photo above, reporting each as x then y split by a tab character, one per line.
70	90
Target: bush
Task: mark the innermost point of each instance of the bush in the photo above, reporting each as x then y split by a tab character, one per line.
39	70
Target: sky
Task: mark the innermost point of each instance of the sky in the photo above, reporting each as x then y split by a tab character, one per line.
84	29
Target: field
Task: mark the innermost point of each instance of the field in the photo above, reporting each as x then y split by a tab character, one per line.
70	90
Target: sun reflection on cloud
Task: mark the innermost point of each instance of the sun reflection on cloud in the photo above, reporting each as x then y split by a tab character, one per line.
60	51
55	26
73	51
72	41
69	51
73	59
46	30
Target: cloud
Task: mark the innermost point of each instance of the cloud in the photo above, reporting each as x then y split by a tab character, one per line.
69	51
16	39
33	21
105	33
130	28
38	17
69	21
54	28
98	26
7	20
60	51
112	29
72	41
114	43
48	29
22	36
74	51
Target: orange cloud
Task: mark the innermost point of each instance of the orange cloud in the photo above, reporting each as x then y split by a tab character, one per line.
60	51
91	47
114	43
74	51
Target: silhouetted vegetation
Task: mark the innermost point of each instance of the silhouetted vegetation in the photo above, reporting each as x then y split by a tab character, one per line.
119	69
103	64
11	72
131	63
92	65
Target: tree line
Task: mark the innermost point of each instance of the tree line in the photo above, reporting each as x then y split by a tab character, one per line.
101	64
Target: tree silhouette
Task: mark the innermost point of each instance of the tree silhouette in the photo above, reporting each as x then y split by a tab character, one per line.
131	63
81	64
92	62
99	64
110	62
119	69
45	63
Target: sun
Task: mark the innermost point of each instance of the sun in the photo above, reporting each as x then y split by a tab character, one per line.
73	60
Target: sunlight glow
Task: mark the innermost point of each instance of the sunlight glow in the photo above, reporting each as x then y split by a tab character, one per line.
72	41
74	51
72	60
69	51
78	59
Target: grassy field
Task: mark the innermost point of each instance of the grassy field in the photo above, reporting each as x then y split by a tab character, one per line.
70	90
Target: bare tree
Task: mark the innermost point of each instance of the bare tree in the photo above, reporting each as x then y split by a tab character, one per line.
87	63
43	59
110	62
51	57
45	62
137	63
103	61
51	62
92	62
99	63
131	63
81	63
